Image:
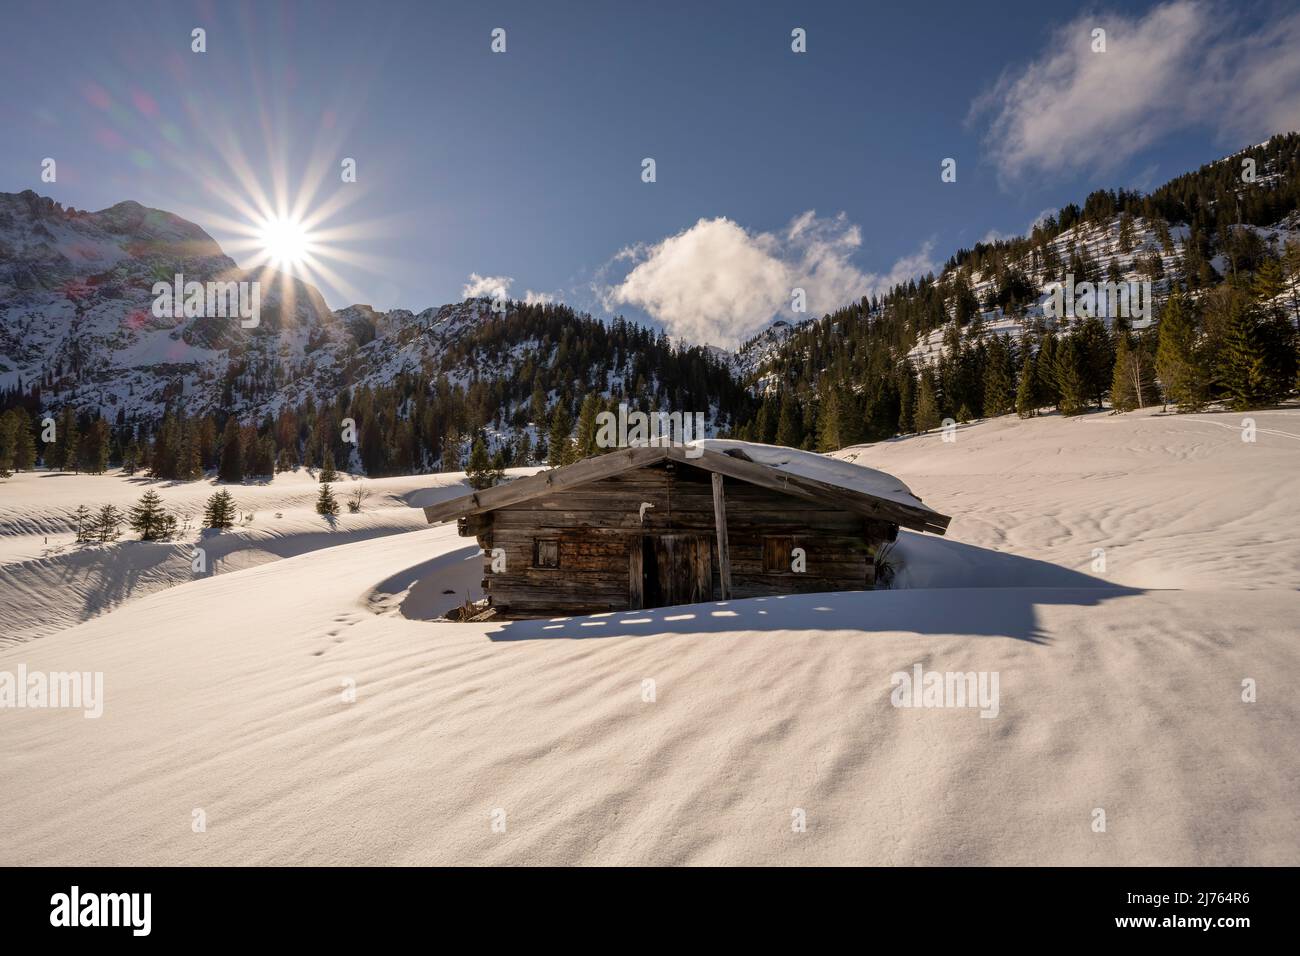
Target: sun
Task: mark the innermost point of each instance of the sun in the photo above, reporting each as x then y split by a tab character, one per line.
285	242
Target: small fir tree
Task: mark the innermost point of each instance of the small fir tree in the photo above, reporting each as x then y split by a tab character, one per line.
82	518
219	512
481	472
148	518
326	503
108	524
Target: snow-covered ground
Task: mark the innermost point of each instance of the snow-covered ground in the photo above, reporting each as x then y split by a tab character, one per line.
49	582
1120	687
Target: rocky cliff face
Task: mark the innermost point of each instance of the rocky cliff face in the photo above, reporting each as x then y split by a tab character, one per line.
76	309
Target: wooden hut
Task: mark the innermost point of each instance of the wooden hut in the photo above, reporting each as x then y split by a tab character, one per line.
656	526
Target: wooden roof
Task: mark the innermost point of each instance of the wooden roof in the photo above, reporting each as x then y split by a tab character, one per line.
733	464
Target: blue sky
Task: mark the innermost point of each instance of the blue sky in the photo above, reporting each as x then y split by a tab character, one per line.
773	168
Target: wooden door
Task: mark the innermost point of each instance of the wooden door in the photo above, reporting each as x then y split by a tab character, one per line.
681	571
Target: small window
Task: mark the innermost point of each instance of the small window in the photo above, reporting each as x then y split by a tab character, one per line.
546	553
777	555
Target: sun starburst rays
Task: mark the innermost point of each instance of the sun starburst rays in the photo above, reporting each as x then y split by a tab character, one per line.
280	217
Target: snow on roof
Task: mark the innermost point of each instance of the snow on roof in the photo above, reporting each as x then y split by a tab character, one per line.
809	464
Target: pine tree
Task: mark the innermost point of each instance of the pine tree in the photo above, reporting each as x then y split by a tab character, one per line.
1243	370
130	458
326	504
220	511
808	425
206	441
906	399
850	422
559	442
1069	377
1046	387
1178	363
265	457
1096	359
828	422
926	415
67	440
164	458
586	440
82	518
1278	339
1027	389
1164	236
327	471
765	423
965	305
108	524
231	468
1269	284
537	404
789	427
481	473
1291	270
148	518
451	450
8	441
999	379
24	442
189	463
92	450
1125	232
1123	396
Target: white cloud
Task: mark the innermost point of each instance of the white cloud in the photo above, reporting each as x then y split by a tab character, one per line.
490	286
997	235
1177	66
1042	217
717	283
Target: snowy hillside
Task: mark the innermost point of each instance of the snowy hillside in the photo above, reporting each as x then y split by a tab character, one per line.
1120	673
51	583
1099	243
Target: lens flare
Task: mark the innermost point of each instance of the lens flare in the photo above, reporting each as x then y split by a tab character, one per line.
285	242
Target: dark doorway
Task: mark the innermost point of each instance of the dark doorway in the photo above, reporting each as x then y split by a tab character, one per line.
675	569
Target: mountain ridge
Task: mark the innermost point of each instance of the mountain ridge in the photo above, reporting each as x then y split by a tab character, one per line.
77	329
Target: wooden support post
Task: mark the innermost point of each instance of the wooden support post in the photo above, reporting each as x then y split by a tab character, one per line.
635	570
720	522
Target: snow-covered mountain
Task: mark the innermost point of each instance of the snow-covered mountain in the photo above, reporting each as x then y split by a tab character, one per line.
77	317
77	320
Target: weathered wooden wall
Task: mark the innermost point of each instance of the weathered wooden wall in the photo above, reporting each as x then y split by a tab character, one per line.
599	528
